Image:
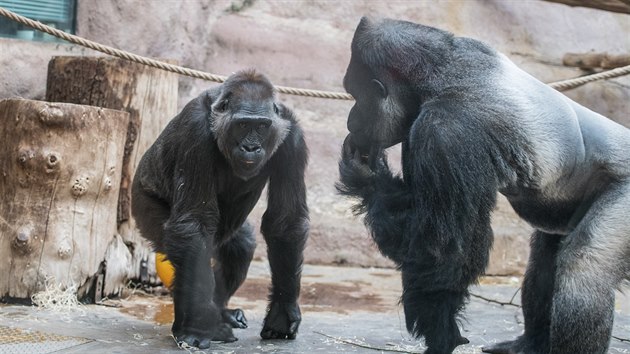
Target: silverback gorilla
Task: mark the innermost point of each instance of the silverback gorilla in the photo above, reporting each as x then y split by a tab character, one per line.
473	124
192	193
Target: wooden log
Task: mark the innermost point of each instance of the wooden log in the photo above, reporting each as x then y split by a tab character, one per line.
595	60
59	170
150	97
622	6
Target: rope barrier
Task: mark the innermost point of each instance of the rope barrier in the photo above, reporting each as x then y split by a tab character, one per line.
156	63
559	85
579	81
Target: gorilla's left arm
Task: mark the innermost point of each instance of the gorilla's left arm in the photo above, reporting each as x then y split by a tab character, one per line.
285	229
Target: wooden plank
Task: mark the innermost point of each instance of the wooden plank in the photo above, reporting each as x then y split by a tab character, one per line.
595	60
622	6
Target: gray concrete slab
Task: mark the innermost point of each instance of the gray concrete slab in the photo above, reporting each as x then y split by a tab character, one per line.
353	310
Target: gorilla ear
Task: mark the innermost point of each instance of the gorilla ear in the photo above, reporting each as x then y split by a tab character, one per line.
364	24
211	96
221	102
379	87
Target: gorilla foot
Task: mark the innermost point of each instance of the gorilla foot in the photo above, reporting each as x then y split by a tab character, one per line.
234	317
202	339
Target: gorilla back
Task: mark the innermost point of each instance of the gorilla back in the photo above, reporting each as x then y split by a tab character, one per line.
473	124
194	189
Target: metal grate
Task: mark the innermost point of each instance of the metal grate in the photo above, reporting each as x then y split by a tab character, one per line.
23	341
41	10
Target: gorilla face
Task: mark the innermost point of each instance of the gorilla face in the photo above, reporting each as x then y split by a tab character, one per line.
248	126
381	115
251	144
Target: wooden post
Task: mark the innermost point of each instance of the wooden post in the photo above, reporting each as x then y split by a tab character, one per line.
150	97
59	170
595	60
622	6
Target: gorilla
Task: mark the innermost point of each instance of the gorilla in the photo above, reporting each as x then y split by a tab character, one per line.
196	185
472	124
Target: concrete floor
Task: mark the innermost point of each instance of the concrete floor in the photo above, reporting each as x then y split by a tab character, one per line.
350	310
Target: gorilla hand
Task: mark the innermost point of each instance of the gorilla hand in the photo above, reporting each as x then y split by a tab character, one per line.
358	168
282	321
200	328
234	317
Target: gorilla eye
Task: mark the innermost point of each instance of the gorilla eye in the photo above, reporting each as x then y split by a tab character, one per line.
380	88
223	105
276	109
263	125
242	125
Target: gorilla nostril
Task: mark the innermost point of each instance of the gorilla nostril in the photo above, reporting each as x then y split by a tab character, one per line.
251	148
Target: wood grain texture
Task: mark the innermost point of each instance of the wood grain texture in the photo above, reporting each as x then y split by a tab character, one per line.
150	97
595	60
622	6
59	171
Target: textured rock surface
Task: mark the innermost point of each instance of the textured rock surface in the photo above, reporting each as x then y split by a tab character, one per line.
306	44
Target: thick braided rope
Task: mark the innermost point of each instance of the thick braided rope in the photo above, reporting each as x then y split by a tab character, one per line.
156	63
579	81
559	85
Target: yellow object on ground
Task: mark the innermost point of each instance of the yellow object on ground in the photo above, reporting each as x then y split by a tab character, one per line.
164	269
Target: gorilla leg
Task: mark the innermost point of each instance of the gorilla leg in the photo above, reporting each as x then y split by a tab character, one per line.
232	262
537	295
150	214
593	260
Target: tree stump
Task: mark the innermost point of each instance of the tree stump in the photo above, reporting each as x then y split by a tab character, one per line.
150	97
59	170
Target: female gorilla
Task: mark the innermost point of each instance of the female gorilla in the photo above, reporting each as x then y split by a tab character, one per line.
194	189
473	124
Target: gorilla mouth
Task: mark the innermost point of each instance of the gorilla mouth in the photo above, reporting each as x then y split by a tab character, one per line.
249	165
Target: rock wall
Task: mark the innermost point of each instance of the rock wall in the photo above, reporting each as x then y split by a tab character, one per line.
307	44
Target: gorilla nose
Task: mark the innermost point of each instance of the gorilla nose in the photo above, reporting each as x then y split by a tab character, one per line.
250	148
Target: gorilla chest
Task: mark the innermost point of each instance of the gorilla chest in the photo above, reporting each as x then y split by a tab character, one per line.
236	201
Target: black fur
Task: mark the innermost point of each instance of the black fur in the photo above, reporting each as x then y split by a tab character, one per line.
194	189
472	124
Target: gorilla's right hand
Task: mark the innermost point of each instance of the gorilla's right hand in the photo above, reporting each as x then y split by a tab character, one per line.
357	158
282	321
358	168
201	327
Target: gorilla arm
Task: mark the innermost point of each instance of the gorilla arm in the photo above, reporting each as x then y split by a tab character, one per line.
189	239
453	179
285	227
436	223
